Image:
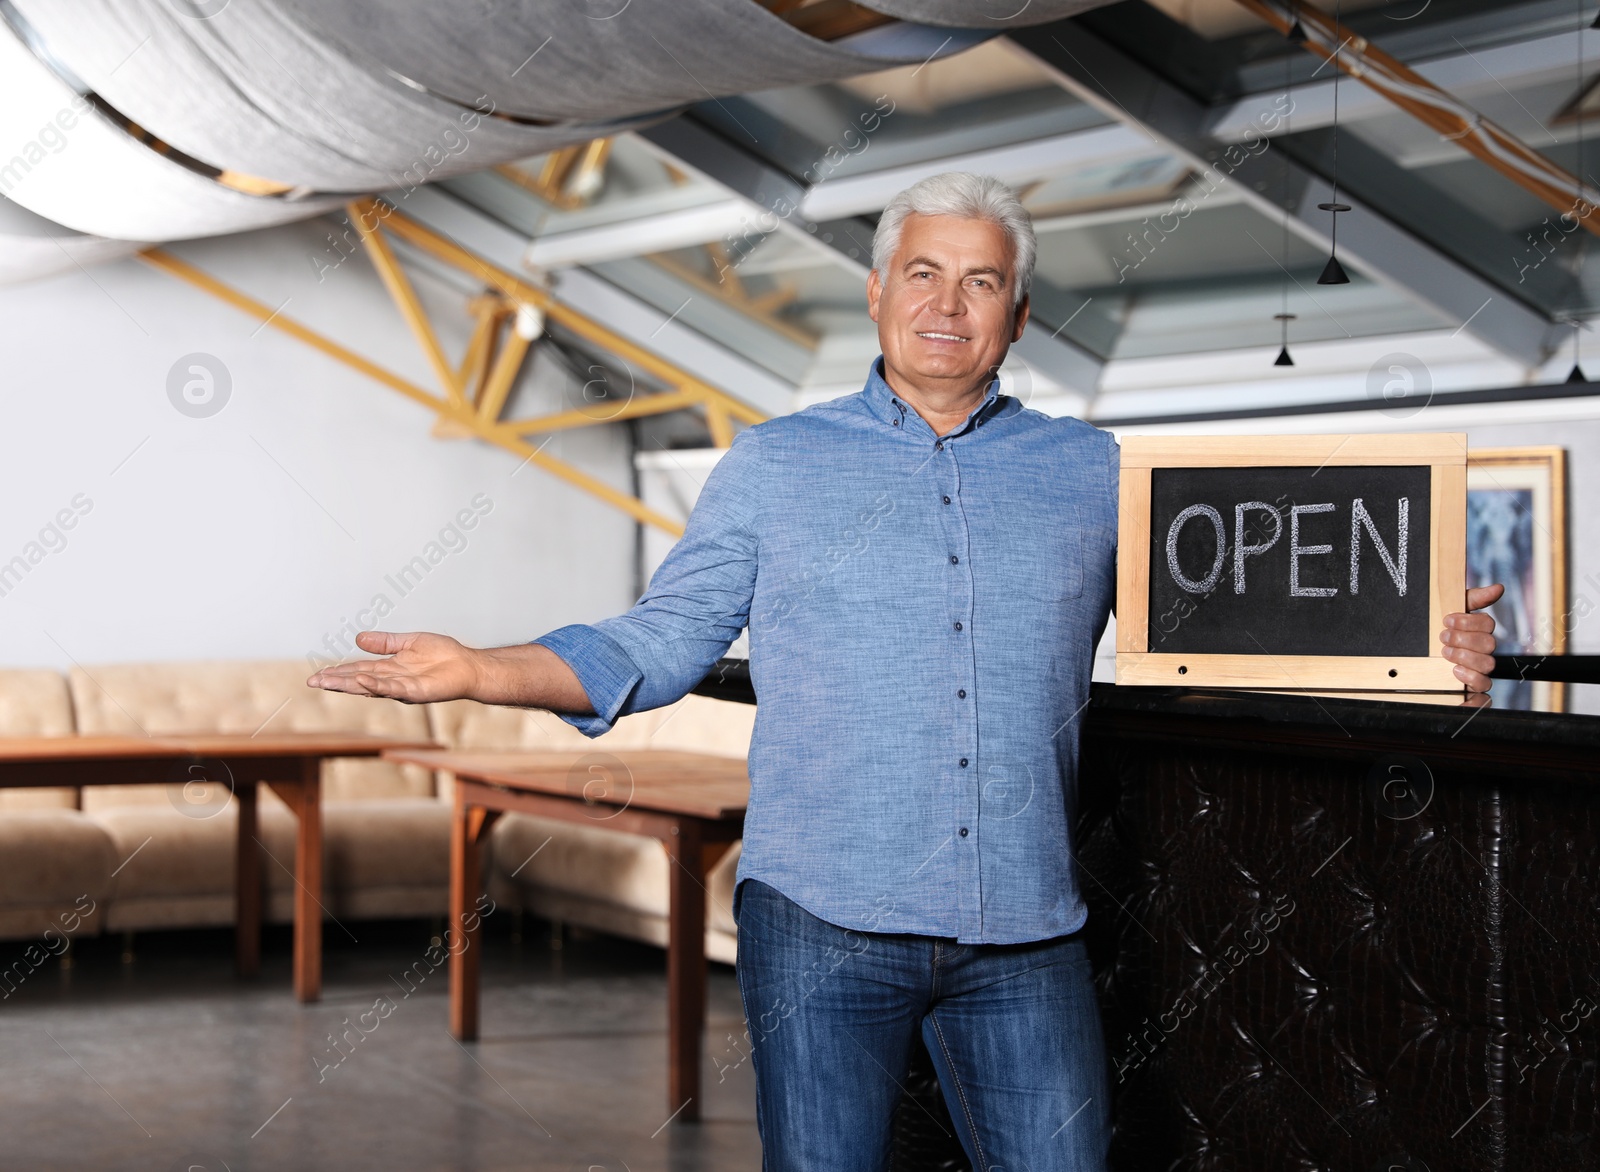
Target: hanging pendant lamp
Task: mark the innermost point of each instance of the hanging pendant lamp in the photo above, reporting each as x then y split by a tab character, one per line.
1283	358
1333	272
1284	317
1284	351
1575	375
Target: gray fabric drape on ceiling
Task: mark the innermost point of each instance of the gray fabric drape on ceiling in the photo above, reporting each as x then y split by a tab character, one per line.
252	90
335	97
588	58
357	95
993	15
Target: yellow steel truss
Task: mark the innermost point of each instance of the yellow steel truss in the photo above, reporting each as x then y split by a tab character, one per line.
570	176
509	315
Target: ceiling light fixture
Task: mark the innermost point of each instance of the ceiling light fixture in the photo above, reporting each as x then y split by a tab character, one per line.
1283	358
1575	375
1285	317
1333	272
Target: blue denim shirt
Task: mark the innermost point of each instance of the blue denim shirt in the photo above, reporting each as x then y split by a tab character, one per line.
923	614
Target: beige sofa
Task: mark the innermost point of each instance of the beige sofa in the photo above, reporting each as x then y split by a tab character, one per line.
151	856
53	860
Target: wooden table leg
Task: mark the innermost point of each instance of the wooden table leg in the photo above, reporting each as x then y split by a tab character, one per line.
247	885
686	969
467	829
308	885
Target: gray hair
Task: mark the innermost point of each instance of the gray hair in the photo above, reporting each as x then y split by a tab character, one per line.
972	197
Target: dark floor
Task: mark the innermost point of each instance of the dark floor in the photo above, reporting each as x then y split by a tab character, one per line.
170	1062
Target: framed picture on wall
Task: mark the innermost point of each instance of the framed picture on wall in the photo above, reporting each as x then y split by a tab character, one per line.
1517	534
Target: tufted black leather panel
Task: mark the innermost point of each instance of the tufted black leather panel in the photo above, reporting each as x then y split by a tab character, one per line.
1304	964
1550	868
1320	945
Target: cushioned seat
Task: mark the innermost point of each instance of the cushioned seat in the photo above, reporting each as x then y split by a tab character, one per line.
602	879
386	857
178	871
386	836
34	703
57	864
381	858
589	874
54	862
719	896
625	869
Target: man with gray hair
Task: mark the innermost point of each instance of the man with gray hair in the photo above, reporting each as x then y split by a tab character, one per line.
925	569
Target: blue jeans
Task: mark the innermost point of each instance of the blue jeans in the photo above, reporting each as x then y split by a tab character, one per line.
1014	1031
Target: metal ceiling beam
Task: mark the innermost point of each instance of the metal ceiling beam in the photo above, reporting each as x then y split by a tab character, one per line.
683	228
846	239
1452	226
1525	63
1014	164
1408	90
1129	92
778	196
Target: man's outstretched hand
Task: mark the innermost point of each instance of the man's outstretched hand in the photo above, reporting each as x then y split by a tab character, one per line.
422	668
1468	638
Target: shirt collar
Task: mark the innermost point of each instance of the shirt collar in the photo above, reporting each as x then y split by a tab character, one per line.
893	410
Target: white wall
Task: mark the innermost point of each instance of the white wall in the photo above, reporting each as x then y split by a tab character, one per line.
263	530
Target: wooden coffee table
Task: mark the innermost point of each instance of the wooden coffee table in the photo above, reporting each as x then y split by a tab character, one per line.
291	763
692	803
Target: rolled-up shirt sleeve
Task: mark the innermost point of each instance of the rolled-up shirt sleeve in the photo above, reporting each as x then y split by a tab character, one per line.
697	604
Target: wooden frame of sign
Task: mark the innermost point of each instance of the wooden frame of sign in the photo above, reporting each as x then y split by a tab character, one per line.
1445	456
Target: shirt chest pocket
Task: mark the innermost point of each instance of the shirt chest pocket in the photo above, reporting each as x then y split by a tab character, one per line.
856	549
1046	562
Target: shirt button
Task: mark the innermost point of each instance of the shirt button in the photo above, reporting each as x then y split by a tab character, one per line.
961	693
938	445
963	832
947	500
963	762
954	561
958	625
896	423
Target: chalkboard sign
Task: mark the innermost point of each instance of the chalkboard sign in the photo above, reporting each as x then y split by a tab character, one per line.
1290	561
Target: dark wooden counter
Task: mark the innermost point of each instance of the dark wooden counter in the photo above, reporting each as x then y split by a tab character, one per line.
1339	933
1336	932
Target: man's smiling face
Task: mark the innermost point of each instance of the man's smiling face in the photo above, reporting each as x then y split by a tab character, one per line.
945	308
